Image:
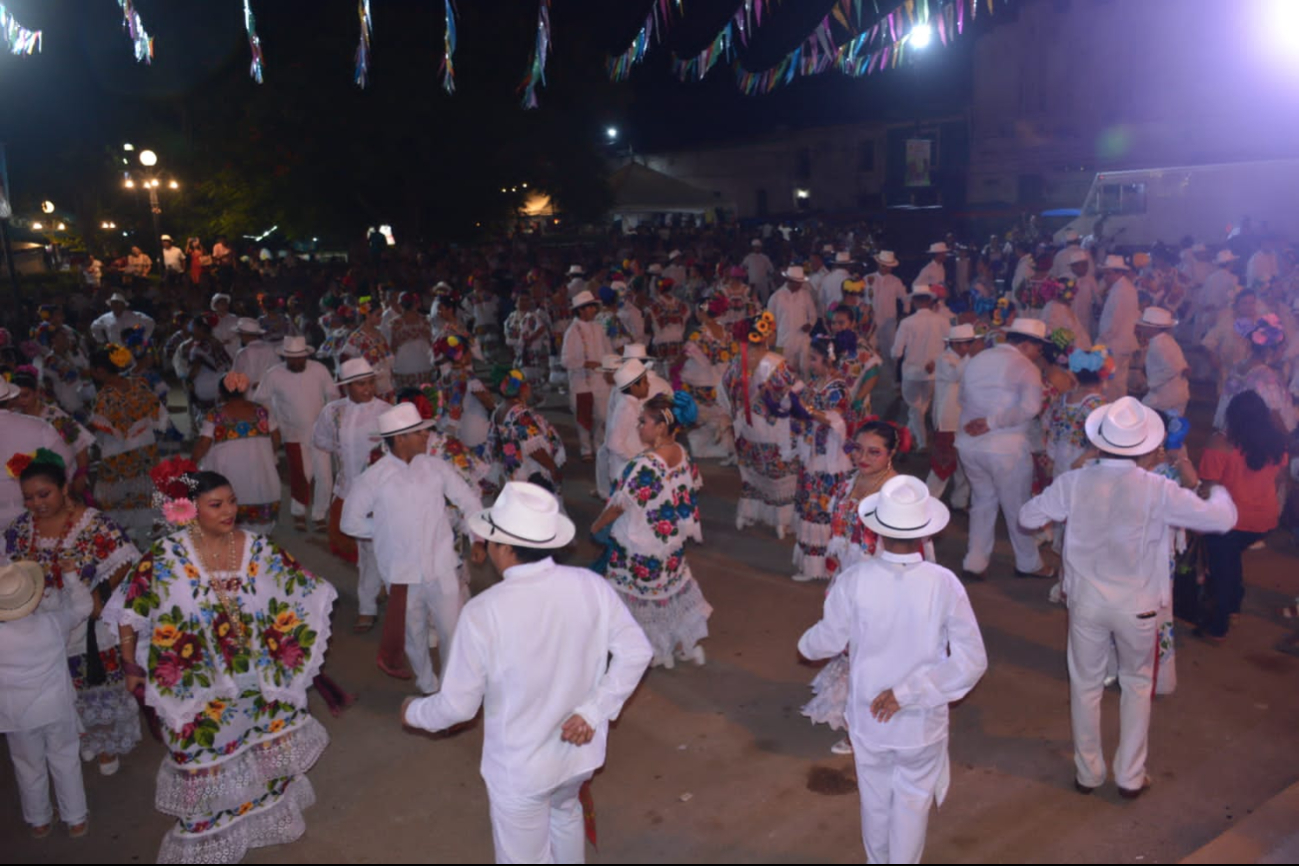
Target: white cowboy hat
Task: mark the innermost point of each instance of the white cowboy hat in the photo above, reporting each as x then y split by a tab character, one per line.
8	390
1225	257
296	347
354	370
118	296
827	248
248	326
618	286
939	247
887	259
21	586
903	509
961	334
576	270
1035	328
843	258
402	418
628	374
1125	427
795	274
583	299
218	298
1115	263
1156	317
165	238
524	515
674	254
1076	256
755	243
654	269
923	292
637	351
610	363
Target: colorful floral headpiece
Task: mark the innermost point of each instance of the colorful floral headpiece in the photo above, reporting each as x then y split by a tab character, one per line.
426	398
513	383
984	305
685	411
19	462
174	482
236	383
451	347
408	300
133	337
364	305
761	327
1097	361
715	306
44	333
1001	312
1267	331
905	439
120	356
1063	338
854	287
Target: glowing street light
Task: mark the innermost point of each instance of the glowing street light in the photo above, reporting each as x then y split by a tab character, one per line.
36	227
47	206
61	227
148	158
173	185
130	184
921	35
612	133
128	147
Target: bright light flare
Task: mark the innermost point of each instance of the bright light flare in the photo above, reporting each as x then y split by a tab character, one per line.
128	147
130	184
173	185
148	158
62	227
612	132
47	206
921	35
36	227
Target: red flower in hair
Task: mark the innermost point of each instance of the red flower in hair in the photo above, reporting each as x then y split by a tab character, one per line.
168	477
18	463
905	441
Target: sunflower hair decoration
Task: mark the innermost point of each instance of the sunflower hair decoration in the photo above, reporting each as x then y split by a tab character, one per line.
854	287
762	327
120	356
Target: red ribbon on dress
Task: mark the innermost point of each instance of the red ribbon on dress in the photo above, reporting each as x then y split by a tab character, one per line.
744	381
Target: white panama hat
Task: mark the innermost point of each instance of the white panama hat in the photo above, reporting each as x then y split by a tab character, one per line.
583	299
1035	328
118	296
1115	263
940	247
402	418
248	326
354	370
628	374
1125	427
961	334
610	363
524	515
887	259
21	586
1156	317
637	351
1225	257
296	347
218	298
576	270
903	509
8	391
795	274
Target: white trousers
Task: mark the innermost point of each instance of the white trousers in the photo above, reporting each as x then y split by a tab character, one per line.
1092	633
897	788
430	605
587	439
796	350
317	468
53	746
884	335
1005	480
368	579
960	487
919	395
1117	385
539	828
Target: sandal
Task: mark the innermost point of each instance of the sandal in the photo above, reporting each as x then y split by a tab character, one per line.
42	831
76	831
300	524
364	624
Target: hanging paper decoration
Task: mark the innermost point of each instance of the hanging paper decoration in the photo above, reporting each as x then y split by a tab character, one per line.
656	24
131	22
885	45
254	42
362	75
537	71
448	69
18	38
746	19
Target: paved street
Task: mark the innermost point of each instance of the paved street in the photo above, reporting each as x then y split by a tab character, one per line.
717	765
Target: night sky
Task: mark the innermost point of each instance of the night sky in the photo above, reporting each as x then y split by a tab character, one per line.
86	86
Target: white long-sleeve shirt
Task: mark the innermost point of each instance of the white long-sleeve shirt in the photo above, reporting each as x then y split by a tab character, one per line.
1023	270
932	274
254	360
35	686
1218	291
1262	266
1118	326
1121	519
621	438
1165	368
583	342
402	507
947	391
885	292
349	431
296	399
908	626
759	268
920	342
633	320
793	311
23	434
108	328
1003	387
829	289
533	650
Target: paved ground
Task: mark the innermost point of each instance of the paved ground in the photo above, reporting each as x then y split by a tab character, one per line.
715	764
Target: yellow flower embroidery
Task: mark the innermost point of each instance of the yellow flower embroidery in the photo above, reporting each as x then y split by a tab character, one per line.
214	710
191	572
165	635
187	651
276	726
252	569
286	620
245	808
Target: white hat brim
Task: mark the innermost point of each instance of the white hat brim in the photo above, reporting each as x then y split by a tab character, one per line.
481	526
1153	439
36	577
424	424
350	379
936	512
305	353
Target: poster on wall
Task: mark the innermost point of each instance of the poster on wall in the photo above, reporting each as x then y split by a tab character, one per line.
919	160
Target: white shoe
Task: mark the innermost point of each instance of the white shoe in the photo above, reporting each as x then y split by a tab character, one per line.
808	578
843	747
695	654
665	662
780	532
1258	545
740	522
110	768
87	754
729	461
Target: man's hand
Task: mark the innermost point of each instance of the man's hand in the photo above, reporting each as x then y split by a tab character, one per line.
577	731
591	365
929	368
807	329
885	706
977	427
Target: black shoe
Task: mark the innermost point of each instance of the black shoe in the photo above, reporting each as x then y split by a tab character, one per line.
1081	788
1134	793
972	576
1050	575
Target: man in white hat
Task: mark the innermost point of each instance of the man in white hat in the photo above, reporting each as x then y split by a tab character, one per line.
173	259
400	504
1120	520
1001	394
944	463
630	312
795	312
296	392
914	647
534	650
1117	329
224	329
886	293
256	355
830	290
345	429
676	269
760	270
1218	290
935	272
919	344
1168	386
1086	290
22	434
817	273
585	345
657	384
38	714
1062	264
631	388
109	327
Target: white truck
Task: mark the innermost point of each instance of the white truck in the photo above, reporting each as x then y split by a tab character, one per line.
1144	206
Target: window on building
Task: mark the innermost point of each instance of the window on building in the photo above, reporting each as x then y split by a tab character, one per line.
1118	199
866	156
803	163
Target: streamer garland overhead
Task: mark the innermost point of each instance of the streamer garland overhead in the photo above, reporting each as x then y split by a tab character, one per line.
140	38
448	52
18	38
362	75
746	19
656	24
537	71
254	42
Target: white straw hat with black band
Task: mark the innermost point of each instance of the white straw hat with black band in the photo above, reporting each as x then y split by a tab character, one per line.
903	509
524	515
1125	427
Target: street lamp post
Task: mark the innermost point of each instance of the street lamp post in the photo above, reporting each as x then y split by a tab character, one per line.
151	182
